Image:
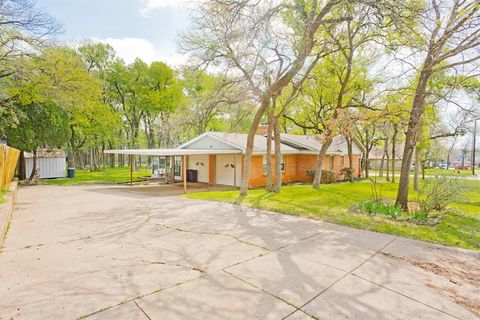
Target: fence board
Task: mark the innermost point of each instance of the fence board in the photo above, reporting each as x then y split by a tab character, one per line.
8	163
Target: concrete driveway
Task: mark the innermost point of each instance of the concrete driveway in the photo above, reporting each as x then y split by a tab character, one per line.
100	252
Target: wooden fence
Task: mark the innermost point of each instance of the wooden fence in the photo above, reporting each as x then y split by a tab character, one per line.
8	163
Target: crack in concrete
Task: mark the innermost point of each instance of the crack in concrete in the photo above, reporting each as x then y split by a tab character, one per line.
214	234
175	265
343	277
46	244
258	288
138	297
143	311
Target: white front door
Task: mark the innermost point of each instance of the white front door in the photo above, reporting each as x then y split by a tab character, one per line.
225	167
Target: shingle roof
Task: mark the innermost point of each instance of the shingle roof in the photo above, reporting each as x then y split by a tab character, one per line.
311	142
46	153
240	140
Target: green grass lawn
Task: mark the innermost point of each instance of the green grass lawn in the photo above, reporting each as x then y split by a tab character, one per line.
107	176
437	172
460	228
2	194
450	172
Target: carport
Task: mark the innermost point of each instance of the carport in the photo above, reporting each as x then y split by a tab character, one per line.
208	165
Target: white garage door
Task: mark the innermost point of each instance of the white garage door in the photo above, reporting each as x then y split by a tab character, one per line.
224	169
199	163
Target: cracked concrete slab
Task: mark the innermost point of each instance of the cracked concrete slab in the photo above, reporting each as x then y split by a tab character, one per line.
445	278
331	253
354	298
289	277
127	310
77	281
216	296
299	315
103	252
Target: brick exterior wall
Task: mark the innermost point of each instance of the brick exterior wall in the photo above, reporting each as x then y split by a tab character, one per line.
259	179
296	167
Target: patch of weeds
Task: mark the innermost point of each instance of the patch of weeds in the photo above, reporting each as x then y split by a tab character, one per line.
379	207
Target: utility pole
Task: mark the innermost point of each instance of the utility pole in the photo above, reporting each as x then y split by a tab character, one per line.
474	149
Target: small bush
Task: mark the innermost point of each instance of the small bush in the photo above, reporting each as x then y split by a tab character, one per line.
378	207
347	173
439	193
328	177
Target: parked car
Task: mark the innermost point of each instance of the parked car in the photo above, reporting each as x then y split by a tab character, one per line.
442	166
459	167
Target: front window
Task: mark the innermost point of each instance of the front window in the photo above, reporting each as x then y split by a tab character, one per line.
265	167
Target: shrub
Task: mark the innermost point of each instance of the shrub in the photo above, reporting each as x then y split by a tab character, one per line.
328	177
347	173
378	207
439	193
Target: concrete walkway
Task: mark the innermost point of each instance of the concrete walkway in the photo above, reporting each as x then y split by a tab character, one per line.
99	252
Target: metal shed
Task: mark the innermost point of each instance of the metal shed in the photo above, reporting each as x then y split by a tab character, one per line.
51	163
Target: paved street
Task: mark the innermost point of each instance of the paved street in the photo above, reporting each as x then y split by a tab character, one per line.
104	252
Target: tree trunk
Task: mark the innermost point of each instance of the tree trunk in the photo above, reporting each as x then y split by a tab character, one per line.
388	160
91	160
265	102
367	164
111	156
350	157
321	155
417	170
382	162
278	156
34	166
394	138
269	150
71	154
418	108
22	175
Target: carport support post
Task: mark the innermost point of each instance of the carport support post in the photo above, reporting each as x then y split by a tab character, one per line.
184	174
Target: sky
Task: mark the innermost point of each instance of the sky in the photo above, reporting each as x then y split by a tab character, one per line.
146	29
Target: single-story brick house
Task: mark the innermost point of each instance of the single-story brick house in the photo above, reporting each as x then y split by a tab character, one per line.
217	157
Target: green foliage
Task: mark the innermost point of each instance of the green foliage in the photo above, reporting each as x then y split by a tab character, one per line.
40	125
379	207
347	173
328	177
438	193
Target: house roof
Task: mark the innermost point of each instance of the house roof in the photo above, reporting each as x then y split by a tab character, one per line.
312	143
231	143
170	152
259	143
46	153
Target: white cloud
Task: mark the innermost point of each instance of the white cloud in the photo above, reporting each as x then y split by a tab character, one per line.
131	48
146	6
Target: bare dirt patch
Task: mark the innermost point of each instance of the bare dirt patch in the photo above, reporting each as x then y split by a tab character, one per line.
459	273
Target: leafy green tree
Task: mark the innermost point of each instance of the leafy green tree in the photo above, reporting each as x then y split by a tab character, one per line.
40	126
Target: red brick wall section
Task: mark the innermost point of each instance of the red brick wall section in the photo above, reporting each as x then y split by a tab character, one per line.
258	179
296	168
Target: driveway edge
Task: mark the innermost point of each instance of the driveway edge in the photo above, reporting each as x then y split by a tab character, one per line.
6	210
